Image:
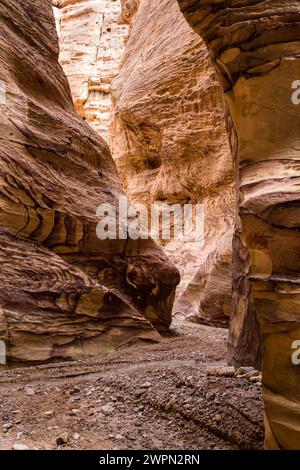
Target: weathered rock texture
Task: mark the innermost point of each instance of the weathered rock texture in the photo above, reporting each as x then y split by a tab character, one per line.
255	46
63	292
91	42
129	9
170	145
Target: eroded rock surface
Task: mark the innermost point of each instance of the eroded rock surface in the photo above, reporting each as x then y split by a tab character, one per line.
255	46
63	292
91	39
170	145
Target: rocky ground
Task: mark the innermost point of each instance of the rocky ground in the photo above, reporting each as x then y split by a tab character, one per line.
158	396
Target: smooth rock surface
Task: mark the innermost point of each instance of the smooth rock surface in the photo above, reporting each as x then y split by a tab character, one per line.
170	145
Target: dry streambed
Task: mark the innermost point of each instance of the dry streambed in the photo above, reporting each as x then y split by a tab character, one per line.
178	394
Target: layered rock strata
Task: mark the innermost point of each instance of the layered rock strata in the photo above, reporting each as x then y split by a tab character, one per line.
63	292
255	47
170	145
91	42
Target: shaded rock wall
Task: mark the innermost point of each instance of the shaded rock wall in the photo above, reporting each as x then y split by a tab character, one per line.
91	45
170	145
255	46
63	292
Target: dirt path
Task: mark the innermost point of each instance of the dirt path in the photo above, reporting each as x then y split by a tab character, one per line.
144	397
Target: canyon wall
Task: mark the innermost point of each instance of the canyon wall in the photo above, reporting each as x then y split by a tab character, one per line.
255	47
169	142
168	136
91	45
64	293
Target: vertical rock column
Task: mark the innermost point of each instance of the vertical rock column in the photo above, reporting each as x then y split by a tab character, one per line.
91	46
255	46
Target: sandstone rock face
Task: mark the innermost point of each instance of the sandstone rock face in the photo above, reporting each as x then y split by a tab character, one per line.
129	9
170	145
91	45
255	46
63	292
56	13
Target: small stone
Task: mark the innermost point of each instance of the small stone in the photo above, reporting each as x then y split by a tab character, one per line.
171	403
227	371
146	385
76	398
140	391
218	418
107	409
7	426
256	378
19	446
74	412
253	373
29	391
74	390
212	371
244	370
119	437
76	436
49	413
